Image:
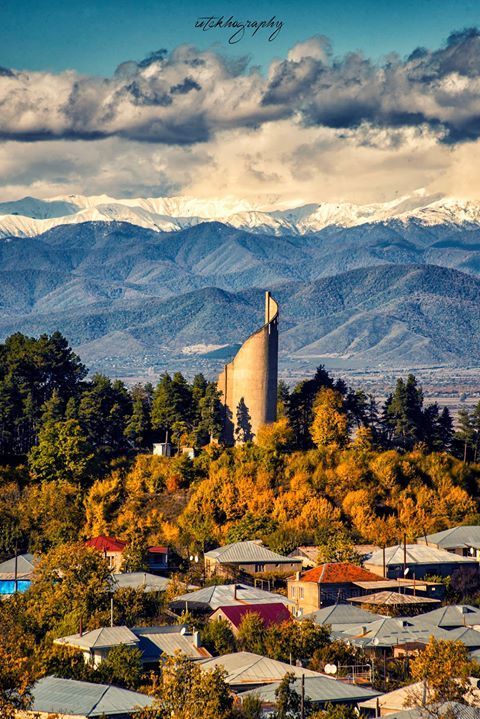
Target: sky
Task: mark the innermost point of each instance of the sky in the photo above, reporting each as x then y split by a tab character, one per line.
358	101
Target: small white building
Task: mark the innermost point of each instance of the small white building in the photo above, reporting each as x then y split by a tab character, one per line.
162	449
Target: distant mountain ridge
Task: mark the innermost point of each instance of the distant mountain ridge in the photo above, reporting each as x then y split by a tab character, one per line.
30	217
388	315
397	292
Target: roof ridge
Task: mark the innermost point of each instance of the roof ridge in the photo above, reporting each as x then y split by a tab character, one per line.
107	687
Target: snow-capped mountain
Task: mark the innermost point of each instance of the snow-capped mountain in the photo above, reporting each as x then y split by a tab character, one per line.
29	216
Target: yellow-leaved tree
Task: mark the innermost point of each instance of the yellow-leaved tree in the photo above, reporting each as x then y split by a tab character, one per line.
330	422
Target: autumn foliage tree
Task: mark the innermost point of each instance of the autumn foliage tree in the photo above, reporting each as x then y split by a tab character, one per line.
329	427
442	669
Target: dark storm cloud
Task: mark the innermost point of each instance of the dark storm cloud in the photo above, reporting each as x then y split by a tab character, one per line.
187	96
439	88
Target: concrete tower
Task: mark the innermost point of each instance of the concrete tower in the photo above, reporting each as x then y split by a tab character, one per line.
252	376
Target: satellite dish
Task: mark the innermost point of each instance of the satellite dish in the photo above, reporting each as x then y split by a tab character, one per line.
406	571
330	668
196	557
191	557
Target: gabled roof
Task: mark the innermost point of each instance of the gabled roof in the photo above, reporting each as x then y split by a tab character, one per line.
270	613
390	631
152	641
449	709
343	614
140	580
393	599
464	536
396	699
455	615
469	637
53	695
246	552
102	638
248	668
221	595
106	544
155	641
416	554
338	573
319	689
158	550
25	566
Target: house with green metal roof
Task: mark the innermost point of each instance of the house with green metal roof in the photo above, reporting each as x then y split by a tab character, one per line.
65	698
250	557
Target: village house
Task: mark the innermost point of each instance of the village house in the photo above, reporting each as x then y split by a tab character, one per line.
416	560
153	642
393	703
454	616
327	584
246	670
269	614
72	699
341	617
321	691
249	557
393	636
16	574
463	541
158	557
208	599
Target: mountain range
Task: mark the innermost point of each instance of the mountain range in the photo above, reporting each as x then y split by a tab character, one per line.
30	216
387	285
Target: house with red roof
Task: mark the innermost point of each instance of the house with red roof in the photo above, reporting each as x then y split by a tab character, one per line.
274	613
113	548
330	583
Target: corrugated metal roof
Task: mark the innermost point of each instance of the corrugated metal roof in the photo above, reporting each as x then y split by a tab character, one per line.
450	709
274	613
393	599
248	552
455	615
223	595
100	638
343	614
25	566
154	642
248	668
416	554
390	631
396	699
106	544
319	689
69	696
141	580
469	637
465	536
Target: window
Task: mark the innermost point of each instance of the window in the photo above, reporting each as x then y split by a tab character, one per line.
259	567
292	591
300	592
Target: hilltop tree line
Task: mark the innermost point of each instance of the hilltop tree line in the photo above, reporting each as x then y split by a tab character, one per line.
335	467
45	394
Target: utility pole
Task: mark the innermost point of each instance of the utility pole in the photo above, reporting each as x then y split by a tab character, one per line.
111	611
15	584
302	699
